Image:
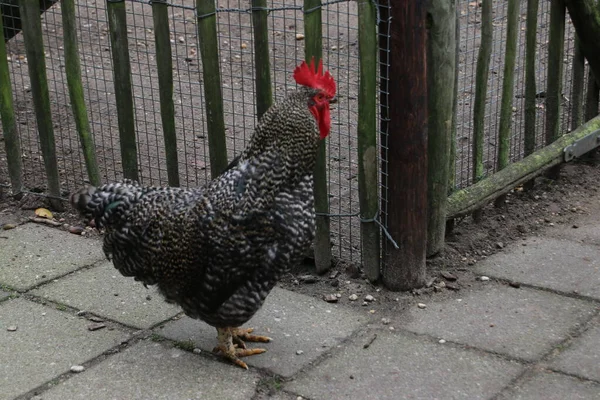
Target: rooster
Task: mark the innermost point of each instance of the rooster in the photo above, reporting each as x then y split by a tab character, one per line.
217	251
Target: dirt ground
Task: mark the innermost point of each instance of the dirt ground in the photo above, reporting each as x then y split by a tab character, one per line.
550	205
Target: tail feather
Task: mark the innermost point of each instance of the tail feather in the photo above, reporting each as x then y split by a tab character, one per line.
108	203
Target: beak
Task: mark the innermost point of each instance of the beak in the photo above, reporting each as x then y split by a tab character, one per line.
333	101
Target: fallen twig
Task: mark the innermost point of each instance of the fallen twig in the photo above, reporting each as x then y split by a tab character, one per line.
45	221
370	342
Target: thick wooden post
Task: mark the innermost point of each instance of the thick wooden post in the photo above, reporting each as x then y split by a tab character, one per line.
313	47
556	43
441	70
530	75
213	95
73	70
117	21
577	86
164	64
367	138
262	67
585	16
404	268
9	126
34	46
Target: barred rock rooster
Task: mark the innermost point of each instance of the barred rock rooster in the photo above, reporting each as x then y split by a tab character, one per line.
218	251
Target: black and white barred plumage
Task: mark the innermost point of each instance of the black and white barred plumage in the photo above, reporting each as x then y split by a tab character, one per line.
217	251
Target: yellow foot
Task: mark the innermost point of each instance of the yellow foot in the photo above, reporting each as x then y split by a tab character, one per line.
228	336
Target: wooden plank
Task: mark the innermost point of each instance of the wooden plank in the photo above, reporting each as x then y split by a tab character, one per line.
213	96
313	47
262	64
12	142
556	44
164	64
404	267
117	22
441	71
368	186
73	72
34	46
530	75
478	195
578	82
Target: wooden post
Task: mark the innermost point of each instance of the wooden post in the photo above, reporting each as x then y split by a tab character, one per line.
213	96
313	47
508	83
530	75
452	160
592	97
585	16
34	46
262	64
73	72
9	126
367	138
117	21
164	64
404	267
441	70
577	86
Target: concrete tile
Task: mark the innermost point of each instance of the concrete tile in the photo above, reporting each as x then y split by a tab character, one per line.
151	370
551	263
582	358
3	294
294	322
523	323
585	234
546	385
34	253
399	366
46	344
104	291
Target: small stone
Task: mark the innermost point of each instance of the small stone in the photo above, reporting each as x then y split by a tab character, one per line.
484	278
96	326
197	350
385	321
148	297
12	328
82	313
516	285
335	283
7	227
338	295
369	298
575	226
442	341
452	286
371	311
448	276
353	297
299	36
333	47
334	274
392	328
364	303
422	305
76	230
96	319
308	279
500	245
243	45
330	298
299	352
77	368
181	39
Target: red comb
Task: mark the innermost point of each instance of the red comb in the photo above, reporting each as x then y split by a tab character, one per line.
307	76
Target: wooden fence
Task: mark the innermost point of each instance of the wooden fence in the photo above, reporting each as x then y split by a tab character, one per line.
406	104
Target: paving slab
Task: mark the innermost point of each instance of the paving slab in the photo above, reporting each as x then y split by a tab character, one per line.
3	294
401	366
546	385
296	323
552	263
47	343
104	291
582	358
150	370
586	234
522	323
33	254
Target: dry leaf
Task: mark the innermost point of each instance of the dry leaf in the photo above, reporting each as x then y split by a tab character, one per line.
44	213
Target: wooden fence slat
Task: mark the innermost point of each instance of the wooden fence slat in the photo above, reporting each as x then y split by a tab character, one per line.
404	267
213	96
478	195
117	21
164	65
34	46
481	85
530	75
452	159
313	47
578	81
12	142
592	97
508	84
556	43
367	138
440	81
73	72
262	64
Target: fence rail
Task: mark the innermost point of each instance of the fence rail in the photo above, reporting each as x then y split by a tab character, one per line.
168	92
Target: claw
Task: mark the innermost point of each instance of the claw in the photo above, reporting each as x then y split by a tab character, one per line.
231	344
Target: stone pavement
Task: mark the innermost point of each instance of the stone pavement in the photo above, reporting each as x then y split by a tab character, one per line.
530	332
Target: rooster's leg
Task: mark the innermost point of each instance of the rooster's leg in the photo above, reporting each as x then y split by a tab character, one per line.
231	352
